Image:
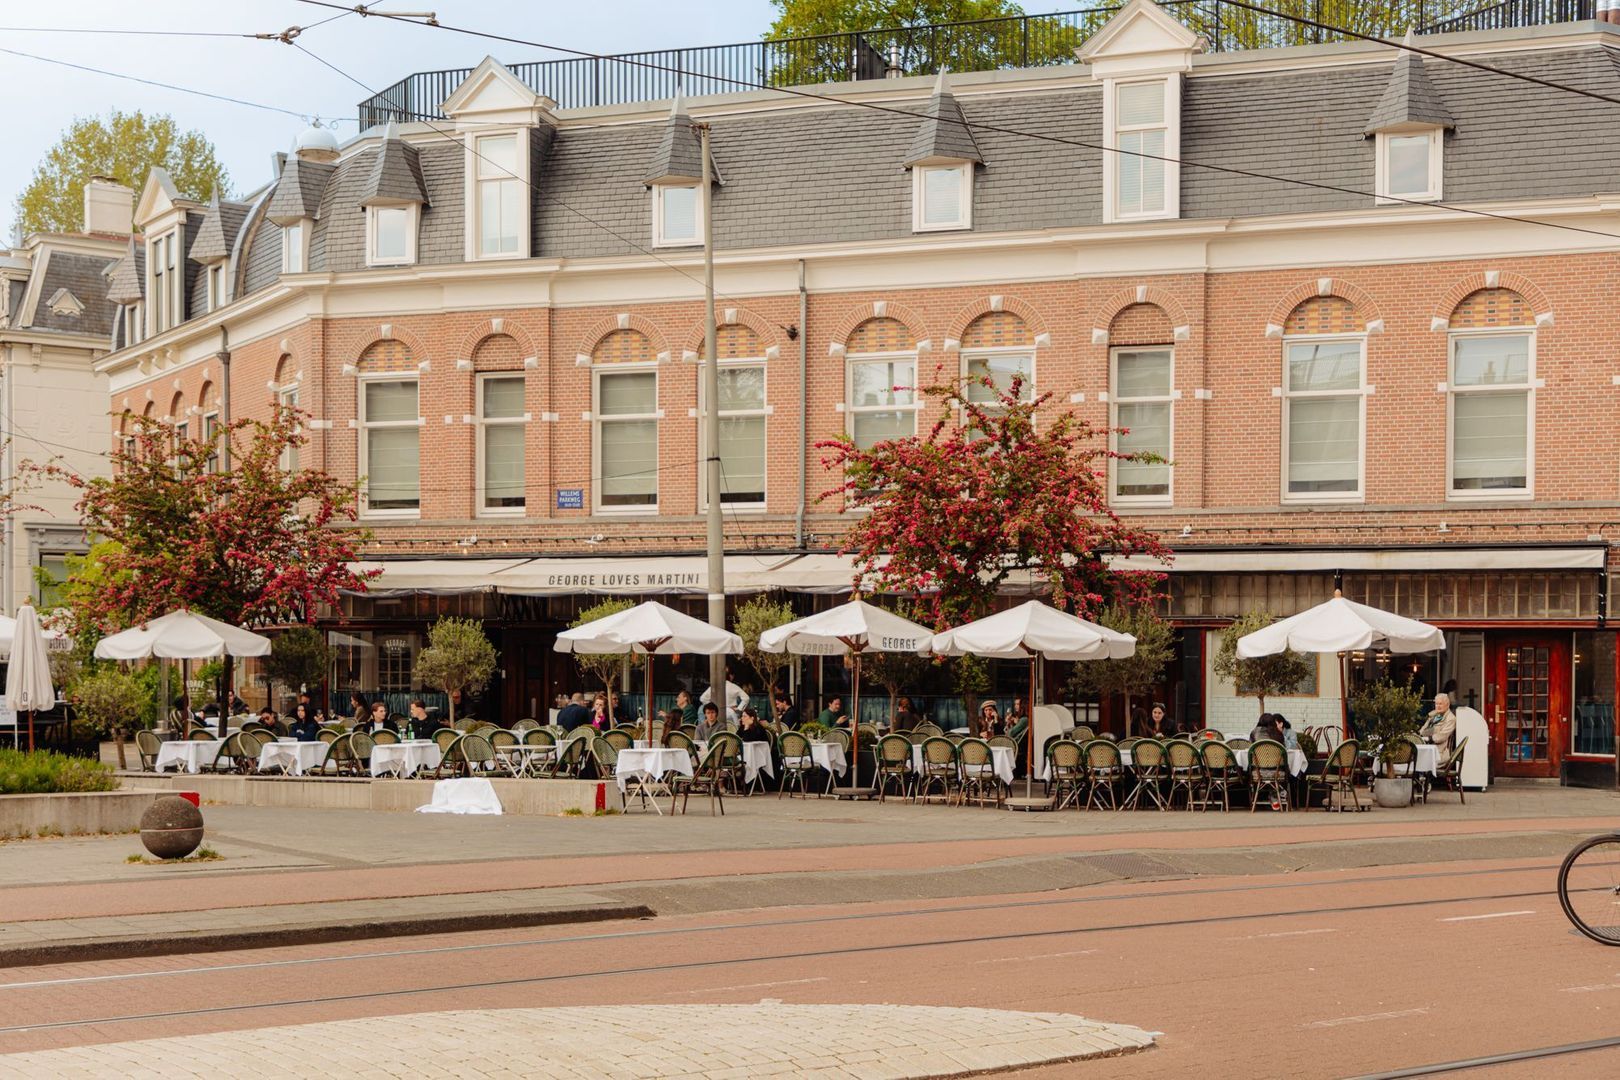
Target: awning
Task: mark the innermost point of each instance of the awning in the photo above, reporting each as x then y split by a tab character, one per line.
1439	558
637	575
434	576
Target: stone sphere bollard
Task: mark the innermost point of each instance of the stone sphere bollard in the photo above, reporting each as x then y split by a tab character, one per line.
171	828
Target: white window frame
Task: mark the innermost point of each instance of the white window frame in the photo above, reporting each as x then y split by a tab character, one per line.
295	255
762	413
288	396
657	416
919	201
134	323
165	269
474	203
659	239
1437	143
852	410
1168	399
363	451
484	424
215	274
373	221
970	355
1288	395
1172	149
210	435
1453	493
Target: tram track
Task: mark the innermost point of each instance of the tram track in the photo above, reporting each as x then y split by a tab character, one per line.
1466	1064
802	957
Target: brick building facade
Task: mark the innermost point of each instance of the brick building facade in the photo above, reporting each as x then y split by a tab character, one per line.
1370	390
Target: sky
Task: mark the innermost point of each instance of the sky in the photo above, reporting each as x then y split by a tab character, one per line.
378	52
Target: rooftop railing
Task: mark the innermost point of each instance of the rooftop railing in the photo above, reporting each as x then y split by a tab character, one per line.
984	45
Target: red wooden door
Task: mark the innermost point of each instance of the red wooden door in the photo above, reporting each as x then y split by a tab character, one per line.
1529	706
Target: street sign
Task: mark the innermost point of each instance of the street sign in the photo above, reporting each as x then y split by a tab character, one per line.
570	498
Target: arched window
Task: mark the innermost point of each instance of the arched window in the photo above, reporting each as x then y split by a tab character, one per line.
1492	347
390	430
1142	362
881	366
624	387
1324	401
742	419
502	426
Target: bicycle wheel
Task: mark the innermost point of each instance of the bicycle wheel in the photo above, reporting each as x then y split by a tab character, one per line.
1589	888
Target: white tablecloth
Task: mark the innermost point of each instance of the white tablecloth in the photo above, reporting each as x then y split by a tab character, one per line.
1428	761
1297	762
757	757
405	758
188	754
295	757
830	756
472	795
1003	761
655	763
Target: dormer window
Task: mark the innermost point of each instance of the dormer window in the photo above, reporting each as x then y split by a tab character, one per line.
1144	117
167	287
133	323
942	197
500	176
1409	164
295	247
390	235
216	287
677	215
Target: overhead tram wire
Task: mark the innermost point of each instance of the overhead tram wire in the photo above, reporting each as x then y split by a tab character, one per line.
971	126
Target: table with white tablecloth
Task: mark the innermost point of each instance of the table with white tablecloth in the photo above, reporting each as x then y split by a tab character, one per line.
650	763
189	755
756	758
825	755
296	758
1003	761
1297	761
406	757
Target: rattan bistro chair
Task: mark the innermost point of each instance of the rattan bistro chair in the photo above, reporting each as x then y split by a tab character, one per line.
1065	772
147	745
1449	772
1268	771
1147	762
978	772
606	755
1337	775
893	765
1186	770
938	767
1104	772
1221	772
797	763
384	737
619	739
709	778
445	738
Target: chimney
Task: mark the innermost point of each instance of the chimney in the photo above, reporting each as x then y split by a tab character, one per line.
109	207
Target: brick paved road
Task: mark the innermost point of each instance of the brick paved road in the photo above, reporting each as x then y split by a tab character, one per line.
641	1042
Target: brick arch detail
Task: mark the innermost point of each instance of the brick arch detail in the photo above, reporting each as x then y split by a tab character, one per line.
492	328
1366	308
286	365
1465	287
1141	294
986	305
207	395
769	334
611	323
388	332
488	356
880	309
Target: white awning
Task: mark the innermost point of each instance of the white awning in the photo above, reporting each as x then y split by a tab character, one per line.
434	575
637	576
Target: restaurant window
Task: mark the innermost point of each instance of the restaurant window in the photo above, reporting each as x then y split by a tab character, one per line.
1593	730
627	439
742	436
1492	403
1143	419
501	435
1324	418
499	172
396	663
390	447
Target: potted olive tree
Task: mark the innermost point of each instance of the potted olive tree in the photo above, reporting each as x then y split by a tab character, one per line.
1384	712
109	700
458	659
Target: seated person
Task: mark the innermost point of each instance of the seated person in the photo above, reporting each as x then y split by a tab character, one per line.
990	722
380	720
1441	726
267	717
1266	728
423	724
833	715
905	717
787	713
751	730
1289	739
304	728
710	722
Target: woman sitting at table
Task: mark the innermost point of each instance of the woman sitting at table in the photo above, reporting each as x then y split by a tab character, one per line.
751	730
303	727
905	717
1286	731
990	722
599	713
1266	728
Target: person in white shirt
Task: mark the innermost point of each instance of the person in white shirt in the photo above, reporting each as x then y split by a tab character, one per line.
736	699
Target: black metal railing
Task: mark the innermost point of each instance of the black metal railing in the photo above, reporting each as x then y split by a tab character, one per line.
982	45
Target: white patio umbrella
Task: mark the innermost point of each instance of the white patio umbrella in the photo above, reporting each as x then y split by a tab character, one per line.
1034	631
1341	626
185	635
28	676
849	629
649	630
55	640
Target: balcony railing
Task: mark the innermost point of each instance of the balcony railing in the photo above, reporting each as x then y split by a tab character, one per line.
984	45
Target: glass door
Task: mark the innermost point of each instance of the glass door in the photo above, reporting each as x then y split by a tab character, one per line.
1530	706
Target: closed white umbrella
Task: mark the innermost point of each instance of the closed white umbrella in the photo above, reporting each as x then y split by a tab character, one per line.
649	629
55	640
1342	626
28	676
850	629
186	635
1034	631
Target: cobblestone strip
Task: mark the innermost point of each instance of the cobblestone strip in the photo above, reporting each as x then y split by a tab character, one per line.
637	1042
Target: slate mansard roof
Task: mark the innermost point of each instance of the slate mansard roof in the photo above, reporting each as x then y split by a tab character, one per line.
798	175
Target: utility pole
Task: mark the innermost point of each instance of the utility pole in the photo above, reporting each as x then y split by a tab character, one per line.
711	430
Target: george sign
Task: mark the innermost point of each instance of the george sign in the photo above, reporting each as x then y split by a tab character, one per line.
570	498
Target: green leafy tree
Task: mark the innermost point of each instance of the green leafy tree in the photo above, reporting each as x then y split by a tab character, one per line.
754	617
301	658
1384	711
886	33
602	667
1263	676
1133	675
458	658
109	700
970	678
124	146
